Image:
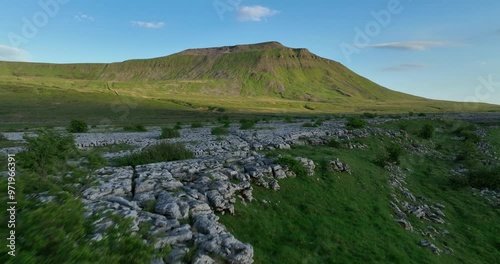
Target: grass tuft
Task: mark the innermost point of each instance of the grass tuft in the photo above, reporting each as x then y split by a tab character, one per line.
157	153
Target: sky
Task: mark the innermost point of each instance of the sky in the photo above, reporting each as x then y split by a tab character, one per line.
448	49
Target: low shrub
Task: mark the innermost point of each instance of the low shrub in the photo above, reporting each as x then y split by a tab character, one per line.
78	126
318	123
167	132
308	124
293	165
223	118
484	177
178	126
196	125
219	131
247	124
334	143
369	115
390	155
135	128
47	152
156	153
355	123
308	107
427	131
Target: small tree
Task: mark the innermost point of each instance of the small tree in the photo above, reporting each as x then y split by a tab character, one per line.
169	133
355	123
427	131
77	126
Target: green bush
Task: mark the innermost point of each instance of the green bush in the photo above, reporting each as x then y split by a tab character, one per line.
308	124
178	125
369	115
2	137
334	143
247	124
77	126
196	125
427	131
223	118
293	165
485	177
167	132
467	132
156	153
219	131
47	152
421	114
308	107
355	123
135	128
288	120
390	155
468	154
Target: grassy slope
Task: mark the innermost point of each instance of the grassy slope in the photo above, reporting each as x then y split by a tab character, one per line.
341	218
262	78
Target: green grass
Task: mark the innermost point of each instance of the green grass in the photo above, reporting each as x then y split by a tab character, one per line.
169	133
196	125
157	153
328	218
135	128
247	124
219	131
183	86
44	230
354	122
114	148
341	218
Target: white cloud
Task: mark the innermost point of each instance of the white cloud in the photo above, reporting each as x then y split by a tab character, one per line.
8	53
84	17
148	24
255	13
405	67
409	45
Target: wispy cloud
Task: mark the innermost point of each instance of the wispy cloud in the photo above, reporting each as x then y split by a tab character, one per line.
8	53
410	45
84	17
255	13
405	67
145	24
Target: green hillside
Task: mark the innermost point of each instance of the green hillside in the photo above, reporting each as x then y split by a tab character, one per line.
266	77
267	69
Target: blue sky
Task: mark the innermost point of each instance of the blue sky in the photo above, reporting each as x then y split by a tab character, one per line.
447	49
